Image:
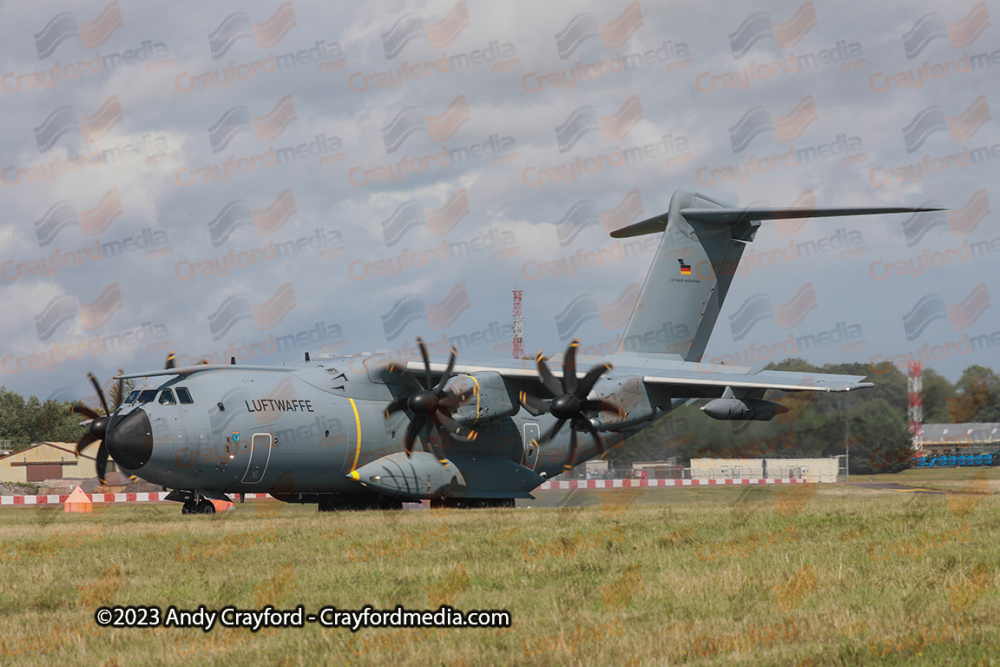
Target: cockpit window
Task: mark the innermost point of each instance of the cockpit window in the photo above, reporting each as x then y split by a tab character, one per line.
184	395
167	397
147	395
131	397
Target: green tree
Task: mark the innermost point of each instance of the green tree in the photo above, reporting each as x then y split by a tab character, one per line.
979	397
879	440
24	422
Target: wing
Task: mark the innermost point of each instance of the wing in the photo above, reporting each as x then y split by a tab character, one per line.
685	379
642	387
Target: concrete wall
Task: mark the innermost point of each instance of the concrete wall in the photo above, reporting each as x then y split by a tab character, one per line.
811	470
727	469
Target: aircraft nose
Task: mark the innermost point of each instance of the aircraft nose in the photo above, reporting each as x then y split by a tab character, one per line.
130	440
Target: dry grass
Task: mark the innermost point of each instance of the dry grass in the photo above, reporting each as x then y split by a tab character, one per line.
801	575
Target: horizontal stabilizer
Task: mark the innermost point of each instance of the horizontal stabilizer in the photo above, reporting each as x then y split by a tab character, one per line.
649	226
729	216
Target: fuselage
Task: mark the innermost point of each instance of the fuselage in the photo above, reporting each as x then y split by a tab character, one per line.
303	429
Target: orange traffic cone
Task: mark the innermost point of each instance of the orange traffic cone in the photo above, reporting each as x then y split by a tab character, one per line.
78	501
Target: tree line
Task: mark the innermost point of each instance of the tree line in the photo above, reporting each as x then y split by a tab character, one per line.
25	422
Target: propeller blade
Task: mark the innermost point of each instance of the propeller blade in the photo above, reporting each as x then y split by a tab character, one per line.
551	433
442	418
602	405
569	367
534	405
396	405
549	381
171	361
100	392
102	462
439	389
406	376
572	450
121	388
434	449
594	434
81	409
412	431
85	441
590	379
427	361
453	399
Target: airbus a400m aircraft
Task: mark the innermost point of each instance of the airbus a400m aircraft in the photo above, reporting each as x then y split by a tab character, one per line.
358	432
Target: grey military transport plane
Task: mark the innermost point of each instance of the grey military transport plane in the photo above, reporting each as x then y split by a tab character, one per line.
343	432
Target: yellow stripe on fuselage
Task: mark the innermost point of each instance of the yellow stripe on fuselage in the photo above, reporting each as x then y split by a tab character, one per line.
357	423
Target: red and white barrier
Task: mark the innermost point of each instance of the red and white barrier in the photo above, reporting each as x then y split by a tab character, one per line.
647	483
101	498
552	485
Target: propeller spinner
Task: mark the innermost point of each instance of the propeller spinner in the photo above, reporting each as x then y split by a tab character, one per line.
432	406
569	402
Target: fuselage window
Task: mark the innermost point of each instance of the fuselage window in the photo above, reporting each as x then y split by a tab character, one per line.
184	395
167	397
131	397
147	395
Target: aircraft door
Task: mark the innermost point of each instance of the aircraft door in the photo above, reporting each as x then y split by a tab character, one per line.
531	434
260	455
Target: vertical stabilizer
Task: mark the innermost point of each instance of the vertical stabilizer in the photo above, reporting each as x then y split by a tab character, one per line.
694	266
689	279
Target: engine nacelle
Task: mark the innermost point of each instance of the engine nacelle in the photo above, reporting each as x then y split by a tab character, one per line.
492	400
632	399
751	409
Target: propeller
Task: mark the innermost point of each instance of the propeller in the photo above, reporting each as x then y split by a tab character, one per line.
98	427
569	402
97	430
433	406
172	361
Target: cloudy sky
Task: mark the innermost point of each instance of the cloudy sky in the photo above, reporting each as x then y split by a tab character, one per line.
262	179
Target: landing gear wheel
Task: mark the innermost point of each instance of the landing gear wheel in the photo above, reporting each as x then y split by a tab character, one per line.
205	507
190	507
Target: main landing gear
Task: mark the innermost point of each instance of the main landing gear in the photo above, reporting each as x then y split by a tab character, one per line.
203	506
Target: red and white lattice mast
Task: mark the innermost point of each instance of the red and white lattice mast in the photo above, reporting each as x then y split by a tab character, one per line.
915	403
518	325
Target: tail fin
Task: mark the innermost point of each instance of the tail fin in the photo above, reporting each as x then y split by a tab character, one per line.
694	265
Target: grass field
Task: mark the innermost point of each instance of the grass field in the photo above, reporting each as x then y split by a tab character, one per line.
805	575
